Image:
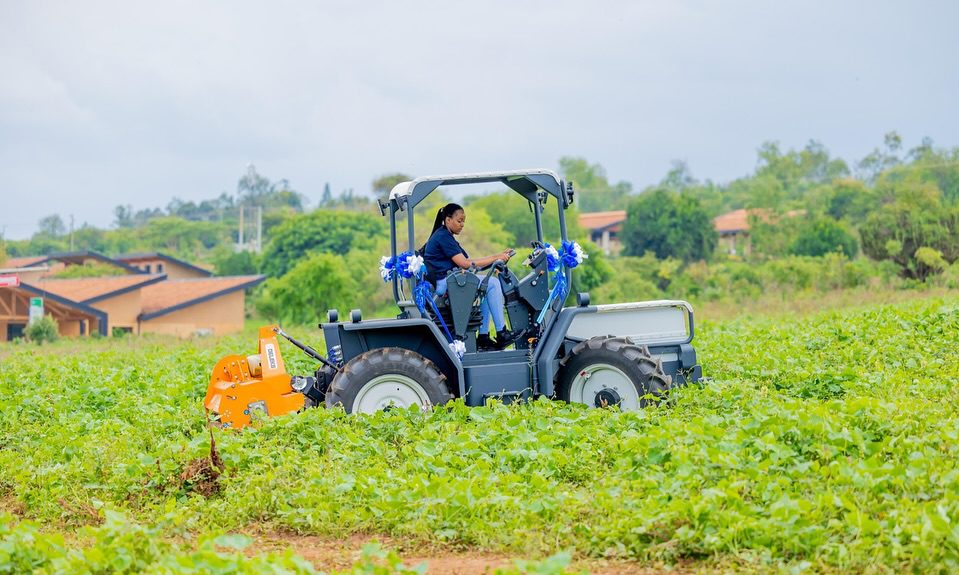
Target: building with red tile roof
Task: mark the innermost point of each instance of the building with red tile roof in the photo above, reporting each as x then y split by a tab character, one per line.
157	262
132	301
733	227
604	228
184	306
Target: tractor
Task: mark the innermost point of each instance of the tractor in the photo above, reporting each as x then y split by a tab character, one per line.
621	354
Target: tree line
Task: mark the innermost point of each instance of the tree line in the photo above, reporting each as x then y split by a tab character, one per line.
896	207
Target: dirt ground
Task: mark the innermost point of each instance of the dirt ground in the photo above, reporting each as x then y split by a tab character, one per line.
329	554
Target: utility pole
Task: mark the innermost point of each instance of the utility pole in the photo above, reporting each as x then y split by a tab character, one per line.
259	228
240	242
71	232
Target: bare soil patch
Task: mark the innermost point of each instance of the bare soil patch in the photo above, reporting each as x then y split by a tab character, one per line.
328	554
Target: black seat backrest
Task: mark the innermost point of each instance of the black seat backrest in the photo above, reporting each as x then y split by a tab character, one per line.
463	289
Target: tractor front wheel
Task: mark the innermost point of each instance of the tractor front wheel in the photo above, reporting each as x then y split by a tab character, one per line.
385	378
607	371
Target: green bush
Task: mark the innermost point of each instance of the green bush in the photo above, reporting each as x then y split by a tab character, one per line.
43	330
820	236
230	263
898	231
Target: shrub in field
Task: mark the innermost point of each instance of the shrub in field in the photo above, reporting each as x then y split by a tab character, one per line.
43	330
898	231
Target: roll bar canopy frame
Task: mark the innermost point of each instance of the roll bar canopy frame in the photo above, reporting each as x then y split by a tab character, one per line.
531	184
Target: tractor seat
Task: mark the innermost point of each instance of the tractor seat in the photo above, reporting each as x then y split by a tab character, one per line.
459	306
446	312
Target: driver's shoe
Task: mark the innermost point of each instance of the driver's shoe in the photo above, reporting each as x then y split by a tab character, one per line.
505	337
484	343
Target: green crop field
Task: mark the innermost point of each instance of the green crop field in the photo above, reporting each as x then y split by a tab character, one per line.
825	443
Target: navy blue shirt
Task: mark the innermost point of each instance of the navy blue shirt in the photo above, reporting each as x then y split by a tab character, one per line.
439	252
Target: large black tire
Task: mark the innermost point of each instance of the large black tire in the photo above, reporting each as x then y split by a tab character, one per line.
389	376
626	374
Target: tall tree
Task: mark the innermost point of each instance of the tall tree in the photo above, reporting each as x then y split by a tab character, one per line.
880	160
679	177
52	226
327	199
256	190
123	216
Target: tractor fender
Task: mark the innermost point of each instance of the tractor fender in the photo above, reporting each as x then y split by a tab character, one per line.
415	334
548	354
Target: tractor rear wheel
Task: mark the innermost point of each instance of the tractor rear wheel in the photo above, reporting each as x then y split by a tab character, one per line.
605	371
389	377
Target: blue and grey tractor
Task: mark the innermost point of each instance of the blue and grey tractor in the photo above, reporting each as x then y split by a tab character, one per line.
617	354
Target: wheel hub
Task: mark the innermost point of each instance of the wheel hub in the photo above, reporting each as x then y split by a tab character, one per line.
602	384
390	391
607	397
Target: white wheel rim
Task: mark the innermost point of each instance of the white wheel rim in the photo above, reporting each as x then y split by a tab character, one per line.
389	390
593	379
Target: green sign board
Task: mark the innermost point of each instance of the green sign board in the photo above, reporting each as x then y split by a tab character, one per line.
36	309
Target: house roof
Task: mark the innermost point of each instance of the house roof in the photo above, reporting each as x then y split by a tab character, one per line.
732	222
23	262
149	256
597	221
738	220
173	295
39	291
89	290
70	258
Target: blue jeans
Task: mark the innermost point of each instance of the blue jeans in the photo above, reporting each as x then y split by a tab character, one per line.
492	305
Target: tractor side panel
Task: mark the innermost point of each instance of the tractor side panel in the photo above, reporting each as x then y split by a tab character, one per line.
503	375
417	335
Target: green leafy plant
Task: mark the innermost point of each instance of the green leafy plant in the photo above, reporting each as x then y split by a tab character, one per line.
44	330
829	440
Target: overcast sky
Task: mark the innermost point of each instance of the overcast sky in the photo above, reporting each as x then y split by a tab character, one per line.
108	103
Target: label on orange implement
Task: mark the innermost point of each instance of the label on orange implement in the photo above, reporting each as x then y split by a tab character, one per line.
271	355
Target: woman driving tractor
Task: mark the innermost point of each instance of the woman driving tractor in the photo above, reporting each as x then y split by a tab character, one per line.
443	253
